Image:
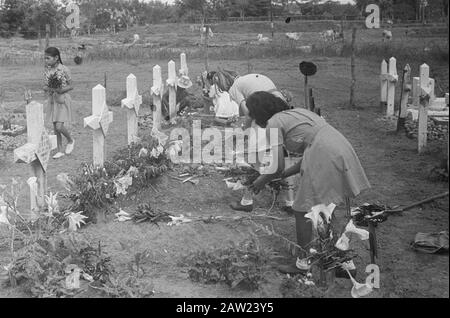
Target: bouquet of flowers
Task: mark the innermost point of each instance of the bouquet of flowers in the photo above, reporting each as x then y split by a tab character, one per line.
55	80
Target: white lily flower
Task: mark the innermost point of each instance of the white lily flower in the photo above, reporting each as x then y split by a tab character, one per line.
122	184
52	203
359	290
154	153
314	215
177	220
122	216
75	220
343	243
235	186
351	228
133	171
4	215
312	251
143	152
160	136
65	181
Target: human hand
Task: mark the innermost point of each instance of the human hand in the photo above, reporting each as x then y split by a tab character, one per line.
257	186
59	91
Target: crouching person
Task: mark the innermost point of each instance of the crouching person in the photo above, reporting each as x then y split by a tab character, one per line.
330	171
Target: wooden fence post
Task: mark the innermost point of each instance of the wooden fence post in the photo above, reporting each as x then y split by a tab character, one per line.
384	85
353	69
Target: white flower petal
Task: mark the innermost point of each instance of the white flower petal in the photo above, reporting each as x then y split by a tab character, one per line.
351	228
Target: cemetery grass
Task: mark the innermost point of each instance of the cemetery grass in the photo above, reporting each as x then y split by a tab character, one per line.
398	176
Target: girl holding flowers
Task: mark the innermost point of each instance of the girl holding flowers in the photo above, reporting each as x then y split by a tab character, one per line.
57	85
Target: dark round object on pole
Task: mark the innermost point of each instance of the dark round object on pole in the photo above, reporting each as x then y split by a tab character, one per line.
78	60
288	20
308	68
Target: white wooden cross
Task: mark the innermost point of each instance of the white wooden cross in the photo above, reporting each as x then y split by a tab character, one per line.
417	90
405	95
36	152
99	122
133	103
172	84
425	94
392	81
183	68
157	91
383	84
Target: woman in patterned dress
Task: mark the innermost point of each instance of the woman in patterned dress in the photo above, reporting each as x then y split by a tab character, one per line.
330	171
57	85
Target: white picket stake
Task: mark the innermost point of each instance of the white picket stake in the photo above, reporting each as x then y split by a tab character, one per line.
157	91
184	70
392	81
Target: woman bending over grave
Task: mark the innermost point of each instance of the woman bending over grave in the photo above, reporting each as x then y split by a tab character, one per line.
225	108
330	171
58	83
184	99
240	88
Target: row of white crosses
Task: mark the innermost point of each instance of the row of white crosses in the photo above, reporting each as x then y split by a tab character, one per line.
423	94
389	79
36	152
158	88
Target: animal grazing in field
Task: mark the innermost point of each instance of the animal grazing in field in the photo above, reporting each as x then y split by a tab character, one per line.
328	35
210	32
262	38
293	36
387	35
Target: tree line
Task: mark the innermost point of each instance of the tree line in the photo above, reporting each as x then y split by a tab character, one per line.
29	17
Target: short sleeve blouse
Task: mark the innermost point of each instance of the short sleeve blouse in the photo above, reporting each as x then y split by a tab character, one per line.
294	128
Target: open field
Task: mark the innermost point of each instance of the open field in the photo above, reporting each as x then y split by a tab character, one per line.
398	175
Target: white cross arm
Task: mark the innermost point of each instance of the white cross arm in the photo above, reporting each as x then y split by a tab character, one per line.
96	122
92	122
392	78
25	153
132	103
